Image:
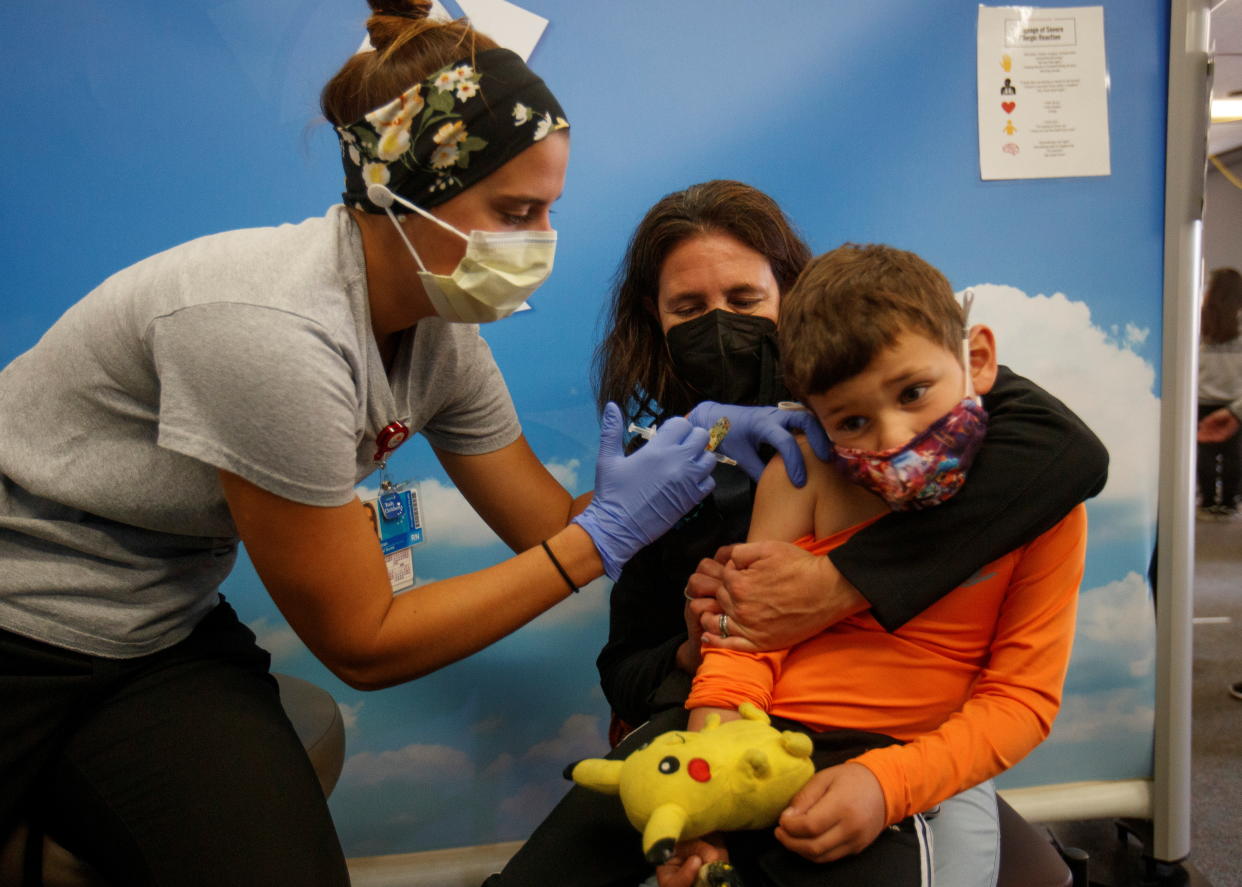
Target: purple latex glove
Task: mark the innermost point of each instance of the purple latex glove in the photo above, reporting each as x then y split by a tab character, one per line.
638	497
749	427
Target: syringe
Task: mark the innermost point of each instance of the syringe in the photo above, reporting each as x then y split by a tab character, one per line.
646	432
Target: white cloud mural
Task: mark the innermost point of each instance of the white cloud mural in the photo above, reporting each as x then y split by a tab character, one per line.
580	736
275	636
1051	340
1103	716
1100	376
349	714
1116	622
414	763
591	600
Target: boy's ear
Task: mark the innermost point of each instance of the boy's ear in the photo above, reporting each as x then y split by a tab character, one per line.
982	358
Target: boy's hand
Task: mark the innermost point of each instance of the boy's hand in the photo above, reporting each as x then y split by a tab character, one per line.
688	857
839	812
774	594
689	654
698	716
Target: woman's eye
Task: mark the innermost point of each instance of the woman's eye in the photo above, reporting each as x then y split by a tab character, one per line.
913	393
513	219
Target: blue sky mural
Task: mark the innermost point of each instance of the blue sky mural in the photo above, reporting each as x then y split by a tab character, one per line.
136	124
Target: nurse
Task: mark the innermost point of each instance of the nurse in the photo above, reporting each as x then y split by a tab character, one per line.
235	389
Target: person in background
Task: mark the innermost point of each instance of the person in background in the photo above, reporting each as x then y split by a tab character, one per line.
693	318
1219	462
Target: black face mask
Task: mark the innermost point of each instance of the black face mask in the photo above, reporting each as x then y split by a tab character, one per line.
728	358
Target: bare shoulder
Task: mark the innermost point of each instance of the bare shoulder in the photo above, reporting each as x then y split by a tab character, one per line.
839	503
782	511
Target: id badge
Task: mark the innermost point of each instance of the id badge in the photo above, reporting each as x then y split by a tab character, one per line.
399	527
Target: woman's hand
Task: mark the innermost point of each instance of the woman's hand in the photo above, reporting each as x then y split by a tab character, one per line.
688	857
640	496
750	427
839	812
774	594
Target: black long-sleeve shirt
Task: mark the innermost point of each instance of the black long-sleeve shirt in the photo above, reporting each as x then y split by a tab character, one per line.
1037	462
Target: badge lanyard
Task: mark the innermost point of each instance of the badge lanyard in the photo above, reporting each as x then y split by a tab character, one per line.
393	435
400	525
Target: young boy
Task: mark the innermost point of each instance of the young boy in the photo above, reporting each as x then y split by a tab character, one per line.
873	341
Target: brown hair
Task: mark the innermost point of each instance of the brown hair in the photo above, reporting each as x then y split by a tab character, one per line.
852	303
1218	319
408	48
632	363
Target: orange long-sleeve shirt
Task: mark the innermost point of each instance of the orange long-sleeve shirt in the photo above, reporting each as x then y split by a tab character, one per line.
971	685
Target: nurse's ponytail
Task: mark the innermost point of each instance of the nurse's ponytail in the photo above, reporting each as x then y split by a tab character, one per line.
407	47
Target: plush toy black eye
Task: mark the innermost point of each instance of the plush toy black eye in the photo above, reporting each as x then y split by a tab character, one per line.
669	765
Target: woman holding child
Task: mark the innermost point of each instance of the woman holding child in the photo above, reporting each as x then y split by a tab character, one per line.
694	317
875	344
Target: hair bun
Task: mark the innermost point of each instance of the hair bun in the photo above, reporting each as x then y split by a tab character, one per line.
390	19
415	9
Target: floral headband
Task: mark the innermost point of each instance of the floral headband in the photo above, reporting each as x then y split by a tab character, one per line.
441	136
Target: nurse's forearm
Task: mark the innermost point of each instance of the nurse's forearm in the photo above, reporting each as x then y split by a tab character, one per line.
434	625
324	569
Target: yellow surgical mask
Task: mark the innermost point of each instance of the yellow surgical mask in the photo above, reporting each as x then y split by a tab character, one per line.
494	278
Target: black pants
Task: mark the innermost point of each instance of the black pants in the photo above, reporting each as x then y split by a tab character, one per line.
175	768
587	841
1228	470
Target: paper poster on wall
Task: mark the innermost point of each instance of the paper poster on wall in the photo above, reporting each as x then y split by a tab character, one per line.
1043	92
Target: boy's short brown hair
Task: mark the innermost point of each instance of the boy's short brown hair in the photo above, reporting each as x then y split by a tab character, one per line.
851	303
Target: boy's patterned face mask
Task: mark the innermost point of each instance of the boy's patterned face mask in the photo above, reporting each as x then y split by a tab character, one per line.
930	468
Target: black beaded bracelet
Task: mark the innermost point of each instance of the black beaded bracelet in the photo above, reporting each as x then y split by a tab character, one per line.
559	568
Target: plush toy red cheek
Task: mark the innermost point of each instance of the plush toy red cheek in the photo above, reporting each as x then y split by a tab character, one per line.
699	770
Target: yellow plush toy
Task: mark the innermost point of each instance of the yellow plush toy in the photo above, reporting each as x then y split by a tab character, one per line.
681	785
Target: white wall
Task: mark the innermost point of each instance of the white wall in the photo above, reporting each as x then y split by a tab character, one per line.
1222	219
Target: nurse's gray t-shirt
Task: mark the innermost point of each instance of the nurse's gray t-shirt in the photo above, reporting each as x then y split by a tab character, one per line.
249	351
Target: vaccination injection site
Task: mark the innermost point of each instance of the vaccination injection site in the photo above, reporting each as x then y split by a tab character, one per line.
535	443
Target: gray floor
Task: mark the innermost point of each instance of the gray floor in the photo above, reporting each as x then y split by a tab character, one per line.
1216	770
1216	801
